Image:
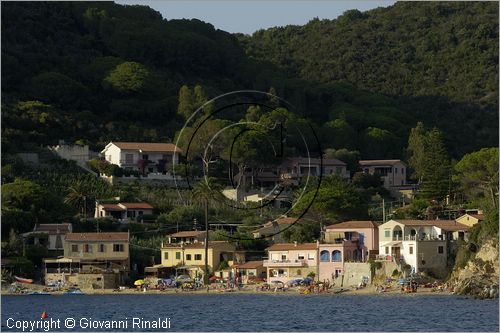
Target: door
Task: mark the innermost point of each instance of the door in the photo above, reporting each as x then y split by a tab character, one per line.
396	252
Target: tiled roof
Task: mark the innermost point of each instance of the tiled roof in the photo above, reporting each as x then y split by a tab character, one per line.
416	222
450	225
53	228
148	146
189	233
251	264
379	162
97	236
292	246
326	161
353	225
112	207
136	205
201	245
480	217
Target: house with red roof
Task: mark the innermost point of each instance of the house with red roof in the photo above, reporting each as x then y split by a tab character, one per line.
145	157
123	211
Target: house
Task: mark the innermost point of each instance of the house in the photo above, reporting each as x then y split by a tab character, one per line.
190	257
422	244
293	169
470	219
273	229
91	260
123	211
289	261
51	235
392	172
251	271
191	236
350	241
141	156
78	153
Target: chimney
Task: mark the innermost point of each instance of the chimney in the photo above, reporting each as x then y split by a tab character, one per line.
295	243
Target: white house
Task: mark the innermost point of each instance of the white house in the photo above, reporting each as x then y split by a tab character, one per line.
392	172
422	244
142	156
51	235
78	153
123	211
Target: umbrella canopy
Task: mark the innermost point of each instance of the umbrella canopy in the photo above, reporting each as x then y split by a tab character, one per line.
214	278
184	278
277	282
138	282
292	282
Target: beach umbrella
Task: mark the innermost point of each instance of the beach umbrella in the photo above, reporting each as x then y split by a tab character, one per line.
214	278
138	282
277	282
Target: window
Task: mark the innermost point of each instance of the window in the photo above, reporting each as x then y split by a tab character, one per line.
301	256
395	170
336	256
440	249
188	257
129	158
387	233
178	255
402	170
324	256
87	248
118	248
310	256
283	257
386	250
74	248
165	255
102	248
145	156
197	257
411	249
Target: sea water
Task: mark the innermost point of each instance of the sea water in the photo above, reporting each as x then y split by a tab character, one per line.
237	312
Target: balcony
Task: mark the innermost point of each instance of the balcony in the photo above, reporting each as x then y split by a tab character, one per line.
285	263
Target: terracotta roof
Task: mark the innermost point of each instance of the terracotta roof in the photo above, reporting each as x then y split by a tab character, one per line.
53	228
380	162
251	264
136	205
281	220
416	222
147	146
189	233
201	245
292	246
353	225
450	225
326	161
97	236
111	207
480	217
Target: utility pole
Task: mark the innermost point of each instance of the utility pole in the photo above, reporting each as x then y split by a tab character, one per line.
383	210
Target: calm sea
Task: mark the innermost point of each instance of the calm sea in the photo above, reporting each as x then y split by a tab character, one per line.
227	312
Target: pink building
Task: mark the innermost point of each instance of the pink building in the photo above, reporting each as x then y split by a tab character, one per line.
350	241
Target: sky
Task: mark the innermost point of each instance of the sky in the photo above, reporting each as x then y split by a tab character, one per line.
250	16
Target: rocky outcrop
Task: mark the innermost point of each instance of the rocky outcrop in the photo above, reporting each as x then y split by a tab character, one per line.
479	278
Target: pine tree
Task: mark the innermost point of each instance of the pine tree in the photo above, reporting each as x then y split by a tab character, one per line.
186	102
436	169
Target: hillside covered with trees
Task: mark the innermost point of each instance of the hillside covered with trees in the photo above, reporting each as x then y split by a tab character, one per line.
95	72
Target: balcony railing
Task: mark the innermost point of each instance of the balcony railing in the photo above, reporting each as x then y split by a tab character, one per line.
285	263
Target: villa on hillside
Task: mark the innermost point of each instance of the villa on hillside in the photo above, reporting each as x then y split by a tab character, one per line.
144	157
273	229
50	235
425	245
123	211
91	260
470	219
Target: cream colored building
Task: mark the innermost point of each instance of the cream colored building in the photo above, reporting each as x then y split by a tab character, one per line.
289	261
392	172
470	219
191	256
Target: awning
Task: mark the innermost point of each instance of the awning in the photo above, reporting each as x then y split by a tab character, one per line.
392	243
336	235
154	269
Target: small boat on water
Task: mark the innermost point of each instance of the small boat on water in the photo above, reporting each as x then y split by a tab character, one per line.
38	293
23	280
73	291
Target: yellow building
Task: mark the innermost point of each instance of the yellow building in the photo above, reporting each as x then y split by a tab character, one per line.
91	259
470	219
192	256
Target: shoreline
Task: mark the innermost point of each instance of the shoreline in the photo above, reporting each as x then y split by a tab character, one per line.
367	291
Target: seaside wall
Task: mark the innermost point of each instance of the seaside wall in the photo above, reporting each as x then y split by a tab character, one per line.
354	272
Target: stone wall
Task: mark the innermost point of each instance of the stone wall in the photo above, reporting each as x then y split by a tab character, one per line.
354	272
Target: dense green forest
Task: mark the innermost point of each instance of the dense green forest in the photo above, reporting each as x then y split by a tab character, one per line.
96	72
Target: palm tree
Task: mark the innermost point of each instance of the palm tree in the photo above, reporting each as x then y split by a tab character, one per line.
205	192
77	195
